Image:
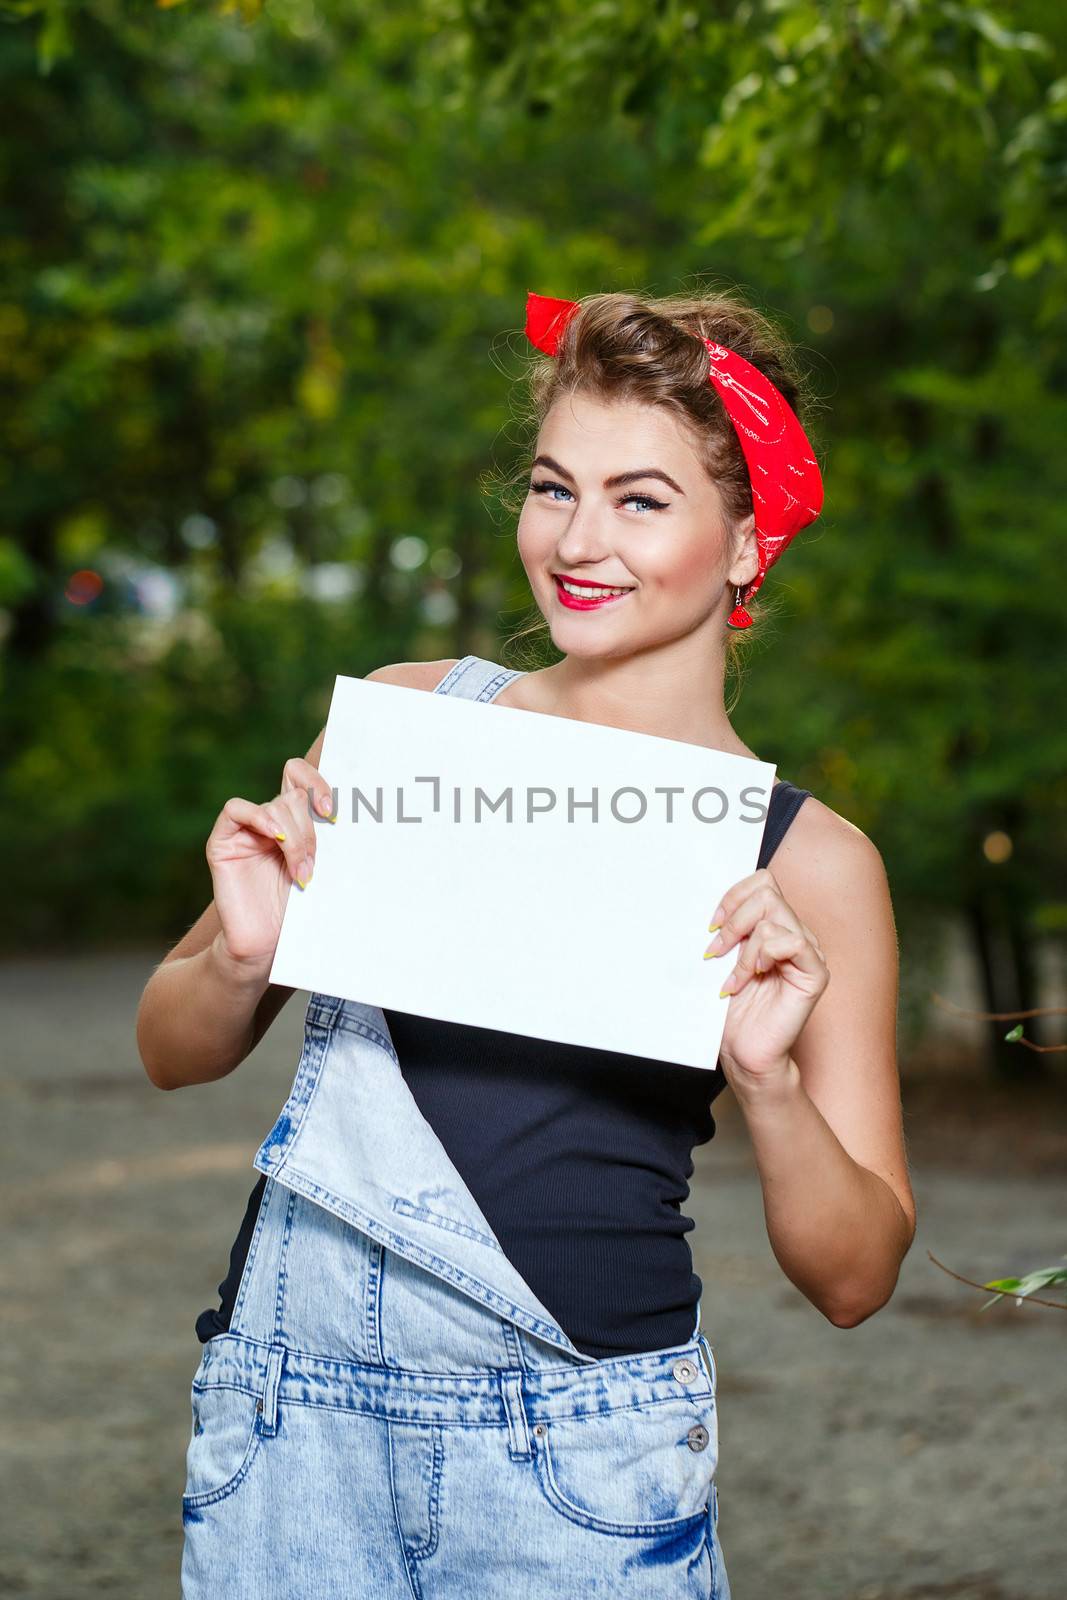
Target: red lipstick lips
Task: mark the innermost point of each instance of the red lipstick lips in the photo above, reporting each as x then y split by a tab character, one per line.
575	604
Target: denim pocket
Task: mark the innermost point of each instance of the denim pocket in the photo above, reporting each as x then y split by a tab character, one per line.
224	1443
634	1471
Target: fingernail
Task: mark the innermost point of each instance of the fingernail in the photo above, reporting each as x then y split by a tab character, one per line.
713	925
307	867
718	916
715	947
280	836
727	988
326	805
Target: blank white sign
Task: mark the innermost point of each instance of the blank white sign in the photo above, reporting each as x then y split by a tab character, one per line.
428	897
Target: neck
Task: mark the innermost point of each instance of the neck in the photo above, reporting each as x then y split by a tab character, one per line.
673	691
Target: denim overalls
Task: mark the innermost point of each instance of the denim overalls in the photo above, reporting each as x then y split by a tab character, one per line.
393	1414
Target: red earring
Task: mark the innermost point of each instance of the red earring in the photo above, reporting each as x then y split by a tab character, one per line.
739	617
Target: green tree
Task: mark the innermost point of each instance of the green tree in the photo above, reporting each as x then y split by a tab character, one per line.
264	278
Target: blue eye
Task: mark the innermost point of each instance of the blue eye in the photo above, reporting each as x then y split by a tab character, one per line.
646	500
546	486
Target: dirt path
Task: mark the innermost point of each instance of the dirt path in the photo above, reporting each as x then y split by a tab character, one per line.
922	1454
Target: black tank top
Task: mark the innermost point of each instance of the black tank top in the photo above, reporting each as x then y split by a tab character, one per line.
579	1159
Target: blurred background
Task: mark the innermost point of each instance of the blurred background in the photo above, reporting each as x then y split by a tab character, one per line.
261	357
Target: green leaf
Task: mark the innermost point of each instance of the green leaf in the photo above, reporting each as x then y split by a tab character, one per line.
1019	1288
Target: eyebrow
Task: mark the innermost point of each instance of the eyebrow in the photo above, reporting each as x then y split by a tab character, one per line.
617	480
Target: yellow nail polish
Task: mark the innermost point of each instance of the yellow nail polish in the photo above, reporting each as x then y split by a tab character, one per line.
303	882
280	836
725	993
713	925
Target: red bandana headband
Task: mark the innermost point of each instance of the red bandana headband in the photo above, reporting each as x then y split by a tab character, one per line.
787	491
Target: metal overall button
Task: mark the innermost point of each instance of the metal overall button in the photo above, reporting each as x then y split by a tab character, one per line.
697	1437
684	1371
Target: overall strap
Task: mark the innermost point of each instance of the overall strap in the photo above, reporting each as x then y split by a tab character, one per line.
474	678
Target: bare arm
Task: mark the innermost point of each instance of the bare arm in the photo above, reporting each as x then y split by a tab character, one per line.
207	1005
204	1010
826	1128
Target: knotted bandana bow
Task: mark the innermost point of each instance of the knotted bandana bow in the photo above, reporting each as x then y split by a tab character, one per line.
787	489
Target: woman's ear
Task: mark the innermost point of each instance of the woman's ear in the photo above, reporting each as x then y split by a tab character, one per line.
745	563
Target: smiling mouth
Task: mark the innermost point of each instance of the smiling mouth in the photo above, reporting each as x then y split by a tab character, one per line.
588	594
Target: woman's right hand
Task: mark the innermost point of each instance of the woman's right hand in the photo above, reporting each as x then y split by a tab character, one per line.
252	867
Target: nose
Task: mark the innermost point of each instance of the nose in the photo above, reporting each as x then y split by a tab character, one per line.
583	542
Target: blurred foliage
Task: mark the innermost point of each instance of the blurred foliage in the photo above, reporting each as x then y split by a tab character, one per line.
264	272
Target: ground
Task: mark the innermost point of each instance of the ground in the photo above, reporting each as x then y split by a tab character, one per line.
919	1456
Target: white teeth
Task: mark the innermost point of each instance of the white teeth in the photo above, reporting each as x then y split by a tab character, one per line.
584	592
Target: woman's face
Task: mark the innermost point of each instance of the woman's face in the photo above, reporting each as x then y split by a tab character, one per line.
618	498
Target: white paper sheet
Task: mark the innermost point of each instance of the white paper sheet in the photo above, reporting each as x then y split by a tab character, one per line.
552	925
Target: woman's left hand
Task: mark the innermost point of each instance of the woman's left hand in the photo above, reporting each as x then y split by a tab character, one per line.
777	979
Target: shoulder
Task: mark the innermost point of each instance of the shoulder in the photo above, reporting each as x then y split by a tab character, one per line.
413	674
827	866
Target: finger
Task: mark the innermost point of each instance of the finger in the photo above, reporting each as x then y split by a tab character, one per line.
269	820
298	773
292	832
797	962
301	845
762	901
788	946
806	957
768	944
737	922
733	898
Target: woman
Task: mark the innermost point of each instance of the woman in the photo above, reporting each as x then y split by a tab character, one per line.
459	1350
